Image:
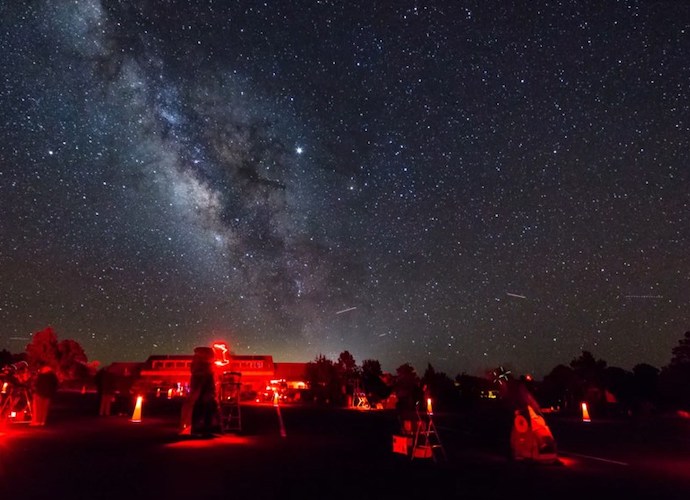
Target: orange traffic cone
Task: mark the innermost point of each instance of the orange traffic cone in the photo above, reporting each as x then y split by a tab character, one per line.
585	413
136	416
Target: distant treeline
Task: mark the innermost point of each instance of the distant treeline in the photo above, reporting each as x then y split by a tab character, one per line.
607	389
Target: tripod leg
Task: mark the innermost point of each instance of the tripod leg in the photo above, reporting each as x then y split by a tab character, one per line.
28	405
4	408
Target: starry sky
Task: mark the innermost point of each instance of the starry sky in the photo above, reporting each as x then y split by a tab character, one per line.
463	183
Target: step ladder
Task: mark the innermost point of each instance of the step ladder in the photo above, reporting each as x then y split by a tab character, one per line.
362	401
229	401
427	443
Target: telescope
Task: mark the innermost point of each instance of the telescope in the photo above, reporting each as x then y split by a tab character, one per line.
15	400
16	373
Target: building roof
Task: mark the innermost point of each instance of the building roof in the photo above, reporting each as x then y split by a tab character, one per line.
124	368
168	357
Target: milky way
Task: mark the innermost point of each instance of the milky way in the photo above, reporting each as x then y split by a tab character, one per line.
465	184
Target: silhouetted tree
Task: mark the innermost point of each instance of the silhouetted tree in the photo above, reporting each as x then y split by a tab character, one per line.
428	377
560	388
681	353
590	373
646	388
407	387
470	388
5	358
66	357
347	364
73	363
348	372
589	369
618	384
322	376
440	388
43	348
674	379
372	381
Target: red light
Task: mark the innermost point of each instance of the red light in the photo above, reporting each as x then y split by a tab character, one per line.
216	442
221	350
136	415
585	413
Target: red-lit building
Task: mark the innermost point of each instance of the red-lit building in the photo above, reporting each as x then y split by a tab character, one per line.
169	374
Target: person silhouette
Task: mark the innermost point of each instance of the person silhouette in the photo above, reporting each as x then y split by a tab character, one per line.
200	414
45	388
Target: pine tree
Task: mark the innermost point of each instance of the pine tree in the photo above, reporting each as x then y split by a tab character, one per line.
681	353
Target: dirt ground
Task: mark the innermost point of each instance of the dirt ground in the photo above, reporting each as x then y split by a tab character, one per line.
325	454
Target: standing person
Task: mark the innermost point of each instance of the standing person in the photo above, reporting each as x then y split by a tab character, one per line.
45	387
105	383
200	409
207	413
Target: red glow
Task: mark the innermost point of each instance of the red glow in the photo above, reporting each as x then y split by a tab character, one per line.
136	416
585	413
567	461
221	349
224	440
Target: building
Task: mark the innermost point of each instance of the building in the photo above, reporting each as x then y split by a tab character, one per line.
170	374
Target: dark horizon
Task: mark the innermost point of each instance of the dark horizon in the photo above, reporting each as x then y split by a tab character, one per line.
419	369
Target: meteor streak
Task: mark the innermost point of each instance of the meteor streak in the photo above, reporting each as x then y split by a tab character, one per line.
515	295
346	310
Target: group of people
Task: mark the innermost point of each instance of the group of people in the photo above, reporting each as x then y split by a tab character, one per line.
200	411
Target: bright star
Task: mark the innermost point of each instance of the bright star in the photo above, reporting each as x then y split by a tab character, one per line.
299	150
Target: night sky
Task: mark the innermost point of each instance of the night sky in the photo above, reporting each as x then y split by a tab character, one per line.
466	183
